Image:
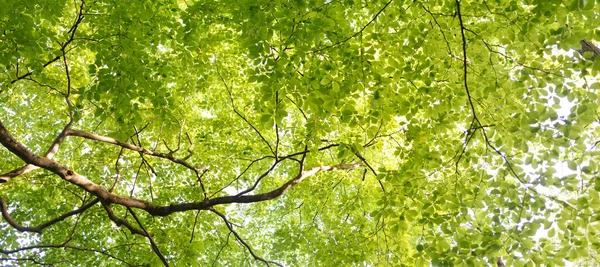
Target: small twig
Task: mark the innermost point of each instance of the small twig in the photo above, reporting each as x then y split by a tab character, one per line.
27	259
276	124
65	246
63	46
194	227
370	168
152	243
221	249
199	179
240	175
259	179
441	31
129	146
68	94
356	33
239	239
299	108
51	88
189	149
135	179
118	175
242	116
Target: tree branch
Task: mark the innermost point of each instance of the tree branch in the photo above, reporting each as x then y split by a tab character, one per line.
221	249
107	198
473	128
27	259
358	32
49	154
129	146
587	46
119	221
63	46
464	49
38	229
242	116
239	238
240	175
64	246
152	243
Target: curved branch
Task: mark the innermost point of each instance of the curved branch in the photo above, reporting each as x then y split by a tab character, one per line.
49	154
107	198
27	259
239	175
259	179
38	229
129	146
221	249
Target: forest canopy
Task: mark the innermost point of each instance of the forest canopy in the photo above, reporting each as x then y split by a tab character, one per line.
299	133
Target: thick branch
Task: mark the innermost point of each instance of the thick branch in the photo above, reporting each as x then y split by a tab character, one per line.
119	221
166	210
107	198
587	46
49	154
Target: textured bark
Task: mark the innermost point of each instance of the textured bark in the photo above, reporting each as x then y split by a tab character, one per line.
49	154
107	198
587	46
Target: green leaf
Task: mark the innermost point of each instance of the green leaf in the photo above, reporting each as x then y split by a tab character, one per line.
324	133
596	67
572	165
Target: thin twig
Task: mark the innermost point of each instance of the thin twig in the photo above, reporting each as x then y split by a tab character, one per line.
242	116
239	238
221	249
39	228
152	243
356	33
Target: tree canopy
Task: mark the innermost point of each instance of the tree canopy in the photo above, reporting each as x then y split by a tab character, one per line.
299	133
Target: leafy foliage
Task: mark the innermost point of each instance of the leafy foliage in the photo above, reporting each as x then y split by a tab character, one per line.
299	133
